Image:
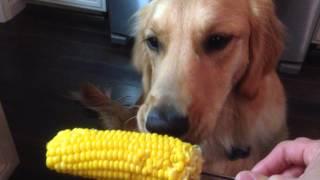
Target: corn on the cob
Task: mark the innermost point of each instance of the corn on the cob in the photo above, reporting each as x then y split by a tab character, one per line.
114	154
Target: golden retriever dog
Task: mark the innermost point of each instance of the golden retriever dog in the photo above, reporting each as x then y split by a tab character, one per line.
209	77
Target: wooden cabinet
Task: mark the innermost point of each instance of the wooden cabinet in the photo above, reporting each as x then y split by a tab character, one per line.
96	5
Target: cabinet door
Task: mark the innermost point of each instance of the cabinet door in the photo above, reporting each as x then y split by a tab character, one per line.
300	18
97	5
10	8
8	154
316	37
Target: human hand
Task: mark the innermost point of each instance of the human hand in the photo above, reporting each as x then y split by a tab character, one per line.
290	160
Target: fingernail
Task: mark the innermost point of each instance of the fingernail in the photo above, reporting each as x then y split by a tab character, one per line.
248	175
245	175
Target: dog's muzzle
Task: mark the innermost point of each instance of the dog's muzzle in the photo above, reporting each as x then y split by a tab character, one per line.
167	120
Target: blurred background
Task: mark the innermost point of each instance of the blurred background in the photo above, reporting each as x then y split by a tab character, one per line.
48	48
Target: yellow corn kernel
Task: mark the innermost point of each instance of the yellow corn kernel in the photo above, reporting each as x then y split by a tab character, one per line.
115	154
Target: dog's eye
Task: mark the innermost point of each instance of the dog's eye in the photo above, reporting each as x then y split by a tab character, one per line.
153	43
216	42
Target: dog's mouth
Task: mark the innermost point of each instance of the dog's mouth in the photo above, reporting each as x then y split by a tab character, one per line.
190	139
188	136
185	138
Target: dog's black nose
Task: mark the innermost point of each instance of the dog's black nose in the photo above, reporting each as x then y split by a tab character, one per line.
167	120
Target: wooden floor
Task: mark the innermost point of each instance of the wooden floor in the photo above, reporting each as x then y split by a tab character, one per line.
47	53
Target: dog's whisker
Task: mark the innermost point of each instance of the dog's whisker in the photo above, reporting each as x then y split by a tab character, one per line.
134	106
130	119
123	98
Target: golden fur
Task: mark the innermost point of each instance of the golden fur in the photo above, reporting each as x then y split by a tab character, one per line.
233	97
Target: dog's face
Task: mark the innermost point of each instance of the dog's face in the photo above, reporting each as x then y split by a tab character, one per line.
195	54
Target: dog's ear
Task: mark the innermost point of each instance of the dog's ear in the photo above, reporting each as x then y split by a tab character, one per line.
141	59
94	98
266	45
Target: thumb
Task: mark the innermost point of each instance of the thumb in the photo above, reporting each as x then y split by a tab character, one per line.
279	177
248	175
